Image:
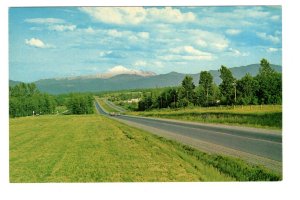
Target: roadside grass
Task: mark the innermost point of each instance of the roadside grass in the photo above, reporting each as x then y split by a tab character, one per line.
93	148
267	116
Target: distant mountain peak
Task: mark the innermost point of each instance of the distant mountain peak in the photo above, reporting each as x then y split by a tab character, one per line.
117	70
121	78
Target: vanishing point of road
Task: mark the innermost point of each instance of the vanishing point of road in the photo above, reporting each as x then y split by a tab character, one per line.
255	145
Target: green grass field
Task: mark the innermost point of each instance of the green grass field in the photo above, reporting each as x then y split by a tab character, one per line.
92	148
266	116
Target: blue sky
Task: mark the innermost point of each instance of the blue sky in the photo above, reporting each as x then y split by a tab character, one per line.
73	41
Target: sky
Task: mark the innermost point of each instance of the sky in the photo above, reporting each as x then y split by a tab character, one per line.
54	42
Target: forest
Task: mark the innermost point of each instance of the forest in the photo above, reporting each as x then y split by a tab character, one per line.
264	88
25	100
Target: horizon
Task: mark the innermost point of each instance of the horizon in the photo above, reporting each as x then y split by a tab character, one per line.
80	41
155	74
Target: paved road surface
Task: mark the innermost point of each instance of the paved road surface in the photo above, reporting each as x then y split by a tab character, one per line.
112	105
266	144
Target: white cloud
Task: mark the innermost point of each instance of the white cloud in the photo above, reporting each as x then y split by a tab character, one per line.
233	31
131	36
157	64
275	17
34	42
44	20
201	43
62	27
90	30
140	63
116	15
208	39
143	35
271	50
220	45
264	36
104	53
116	33
137	15
254	12
237	53
188	53
171	15
240	16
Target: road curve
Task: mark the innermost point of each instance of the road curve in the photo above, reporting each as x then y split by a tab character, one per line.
252	141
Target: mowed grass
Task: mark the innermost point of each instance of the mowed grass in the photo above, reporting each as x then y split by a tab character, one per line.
93	148
266	116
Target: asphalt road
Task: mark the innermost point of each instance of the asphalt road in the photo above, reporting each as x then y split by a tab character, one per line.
258	142
112	105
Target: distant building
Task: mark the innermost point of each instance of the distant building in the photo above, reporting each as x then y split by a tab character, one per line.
133	100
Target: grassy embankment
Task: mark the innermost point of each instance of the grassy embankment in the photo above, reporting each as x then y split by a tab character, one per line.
93	148
266	116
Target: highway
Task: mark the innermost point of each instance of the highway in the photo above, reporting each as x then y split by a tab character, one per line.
257	142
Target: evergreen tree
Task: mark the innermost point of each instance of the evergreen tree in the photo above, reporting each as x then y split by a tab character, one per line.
246	90
227	87
187	89
270	84
206	82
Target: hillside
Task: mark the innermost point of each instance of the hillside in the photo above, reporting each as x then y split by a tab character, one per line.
13	83
133	81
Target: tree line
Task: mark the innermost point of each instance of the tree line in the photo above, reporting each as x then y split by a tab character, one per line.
264	88
26	99
80	104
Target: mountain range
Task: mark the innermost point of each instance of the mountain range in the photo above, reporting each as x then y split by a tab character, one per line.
132	80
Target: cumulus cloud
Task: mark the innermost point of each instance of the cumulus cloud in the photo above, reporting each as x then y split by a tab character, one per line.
271	50
171	15
201	43
274	39
233	31
104	53
254	12
208	39
137	15
116	15
140	63
143	35
237	53
130	35
34	42
90	30
45	20
238	17
62	27
188	53
275	17
116	33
